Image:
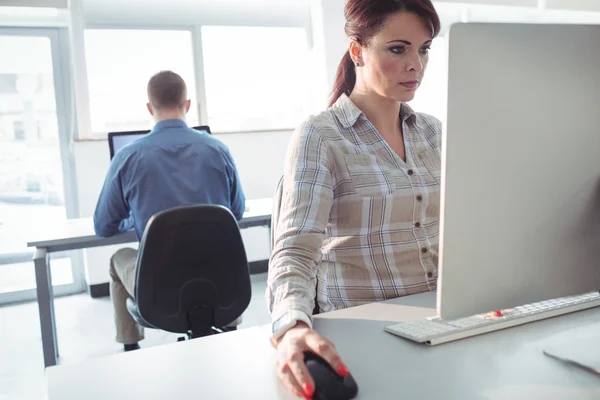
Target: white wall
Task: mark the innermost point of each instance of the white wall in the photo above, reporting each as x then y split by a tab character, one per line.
259	158
587	5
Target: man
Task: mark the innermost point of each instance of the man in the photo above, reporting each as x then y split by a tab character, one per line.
173	165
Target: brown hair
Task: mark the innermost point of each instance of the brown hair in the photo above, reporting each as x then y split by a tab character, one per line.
167	91
364	18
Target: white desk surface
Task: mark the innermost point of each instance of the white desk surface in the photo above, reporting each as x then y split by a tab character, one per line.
78	230
506	364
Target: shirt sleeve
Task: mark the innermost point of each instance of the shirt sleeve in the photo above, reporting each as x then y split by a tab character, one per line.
237	197
300	229
112	211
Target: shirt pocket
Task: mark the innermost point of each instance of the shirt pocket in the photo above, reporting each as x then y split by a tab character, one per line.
369	179
432	160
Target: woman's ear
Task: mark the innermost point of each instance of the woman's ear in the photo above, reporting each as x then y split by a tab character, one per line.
355	51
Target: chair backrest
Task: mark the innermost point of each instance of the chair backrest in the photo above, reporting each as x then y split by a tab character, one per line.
191	262
275	212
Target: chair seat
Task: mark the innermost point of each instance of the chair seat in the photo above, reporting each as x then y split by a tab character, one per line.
132	307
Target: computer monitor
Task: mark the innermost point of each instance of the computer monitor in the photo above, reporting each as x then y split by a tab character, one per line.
118	140
520	203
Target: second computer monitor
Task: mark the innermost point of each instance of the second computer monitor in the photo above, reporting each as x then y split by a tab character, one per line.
118	140
520	214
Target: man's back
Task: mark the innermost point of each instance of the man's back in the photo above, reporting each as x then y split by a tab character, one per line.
172	166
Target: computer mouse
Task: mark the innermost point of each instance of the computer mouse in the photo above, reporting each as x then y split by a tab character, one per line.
328	384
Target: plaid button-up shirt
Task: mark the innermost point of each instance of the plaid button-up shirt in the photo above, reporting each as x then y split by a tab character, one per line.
357	224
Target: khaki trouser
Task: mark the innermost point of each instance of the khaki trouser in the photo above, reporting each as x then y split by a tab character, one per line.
122	285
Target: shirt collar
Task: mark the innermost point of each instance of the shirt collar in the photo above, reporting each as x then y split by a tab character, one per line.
169	123
348	113
406	113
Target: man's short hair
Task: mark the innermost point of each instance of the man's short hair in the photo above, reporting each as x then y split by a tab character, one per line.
167	91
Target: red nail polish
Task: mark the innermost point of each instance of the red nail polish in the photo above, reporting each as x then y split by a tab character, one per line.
308	390
343	371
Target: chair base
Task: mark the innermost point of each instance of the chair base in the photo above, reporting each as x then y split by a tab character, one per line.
206	332
200	321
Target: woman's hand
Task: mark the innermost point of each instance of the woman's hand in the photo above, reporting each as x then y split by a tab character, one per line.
290	359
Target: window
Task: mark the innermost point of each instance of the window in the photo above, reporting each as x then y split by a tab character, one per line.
431	97
119	65
32	141
256	78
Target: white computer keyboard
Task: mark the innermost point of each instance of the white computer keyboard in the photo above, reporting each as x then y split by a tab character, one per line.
434	330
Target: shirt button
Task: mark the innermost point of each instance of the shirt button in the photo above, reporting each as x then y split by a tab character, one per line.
424	250
419	198
410	172
430	274
417	224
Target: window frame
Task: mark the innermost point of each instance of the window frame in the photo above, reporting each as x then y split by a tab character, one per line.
61	66
199	85
197	53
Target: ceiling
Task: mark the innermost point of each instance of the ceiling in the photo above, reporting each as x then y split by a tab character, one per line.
244	12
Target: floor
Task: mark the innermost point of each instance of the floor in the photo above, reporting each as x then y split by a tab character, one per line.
85	330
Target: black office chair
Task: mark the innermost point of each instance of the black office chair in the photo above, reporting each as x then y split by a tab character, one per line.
192	273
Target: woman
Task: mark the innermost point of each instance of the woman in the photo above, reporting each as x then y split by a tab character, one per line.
360	208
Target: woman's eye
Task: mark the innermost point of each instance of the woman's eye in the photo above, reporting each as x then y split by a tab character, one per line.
425	50
397	49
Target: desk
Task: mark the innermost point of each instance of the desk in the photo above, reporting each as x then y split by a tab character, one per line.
77	234
506	364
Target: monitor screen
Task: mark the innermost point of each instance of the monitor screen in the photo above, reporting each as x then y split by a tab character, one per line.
118	140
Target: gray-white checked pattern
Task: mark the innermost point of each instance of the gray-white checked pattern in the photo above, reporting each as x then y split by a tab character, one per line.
357	224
